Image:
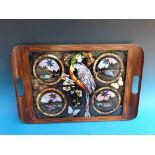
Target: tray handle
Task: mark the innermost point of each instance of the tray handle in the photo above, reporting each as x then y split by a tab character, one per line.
136	79
18	77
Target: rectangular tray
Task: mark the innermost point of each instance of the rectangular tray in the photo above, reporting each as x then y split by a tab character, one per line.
90	82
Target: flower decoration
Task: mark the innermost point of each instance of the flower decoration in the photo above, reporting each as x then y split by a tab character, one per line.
79	93
69	85
66	88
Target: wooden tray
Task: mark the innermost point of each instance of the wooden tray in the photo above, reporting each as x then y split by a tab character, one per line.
90	82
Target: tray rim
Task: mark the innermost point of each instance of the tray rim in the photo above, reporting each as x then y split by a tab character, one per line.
20	58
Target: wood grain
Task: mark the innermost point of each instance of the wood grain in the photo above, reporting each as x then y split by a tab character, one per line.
21	69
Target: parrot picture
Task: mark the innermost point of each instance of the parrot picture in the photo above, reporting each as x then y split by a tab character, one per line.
83	78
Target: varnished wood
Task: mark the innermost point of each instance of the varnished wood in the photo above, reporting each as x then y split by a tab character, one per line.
20	67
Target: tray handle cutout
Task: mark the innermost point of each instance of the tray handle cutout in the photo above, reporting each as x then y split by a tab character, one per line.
19	87
135	84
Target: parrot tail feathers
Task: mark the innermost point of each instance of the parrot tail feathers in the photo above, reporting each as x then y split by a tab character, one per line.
87	113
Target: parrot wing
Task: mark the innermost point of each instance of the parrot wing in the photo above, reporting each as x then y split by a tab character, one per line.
85	76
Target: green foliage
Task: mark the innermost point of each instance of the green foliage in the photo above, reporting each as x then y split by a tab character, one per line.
41	71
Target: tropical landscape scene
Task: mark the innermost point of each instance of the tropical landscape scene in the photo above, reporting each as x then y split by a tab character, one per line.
48	70
106	100
51	102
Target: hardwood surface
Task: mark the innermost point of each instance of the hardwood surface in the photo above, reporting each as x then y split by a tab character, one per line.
21	69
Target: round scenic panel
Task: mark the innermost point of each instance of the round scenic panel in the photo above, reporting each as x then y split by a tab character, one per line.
108	68
48	69
106	100
51	102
